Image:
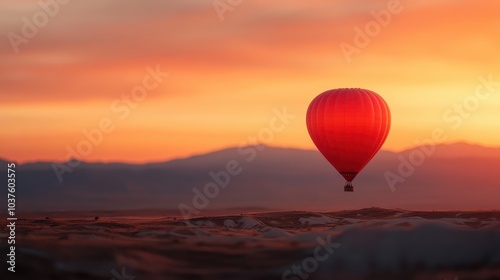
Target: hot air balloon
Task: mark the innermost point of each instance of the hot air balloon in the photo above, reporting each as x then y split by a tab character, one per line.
348	126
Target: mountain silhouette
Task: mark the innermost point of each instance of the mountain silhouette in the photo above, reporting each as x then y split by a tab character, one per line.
456	176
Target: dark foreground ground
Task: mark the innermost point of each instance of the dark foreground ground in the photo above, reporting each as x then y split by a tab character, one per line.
364	244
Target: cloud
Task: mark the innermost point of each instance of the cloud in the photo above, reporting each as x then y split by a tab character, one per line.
89	48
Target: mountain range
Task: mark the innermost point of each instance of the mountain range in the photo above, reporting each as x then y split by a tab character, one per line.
456	176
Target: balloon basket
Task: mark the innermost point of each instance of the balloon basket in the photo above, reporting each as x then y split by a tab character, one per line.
348	187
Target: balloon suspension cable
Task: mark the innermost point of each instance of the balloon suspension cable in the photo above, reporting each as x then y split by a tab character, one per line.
348	187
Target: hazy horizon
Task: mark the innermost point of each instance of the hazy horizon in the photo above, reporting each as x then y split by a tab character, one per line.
271	178
447	144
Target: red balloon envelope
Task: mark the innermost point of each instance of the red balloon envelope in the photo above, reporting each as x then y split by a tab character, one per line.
348	126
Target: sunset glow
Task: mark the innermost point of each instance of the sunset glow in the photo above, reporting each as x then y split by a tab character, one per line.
435	63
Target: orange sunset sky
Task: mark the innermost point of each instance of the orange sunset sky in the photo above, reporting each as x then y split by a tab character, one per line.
227	75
